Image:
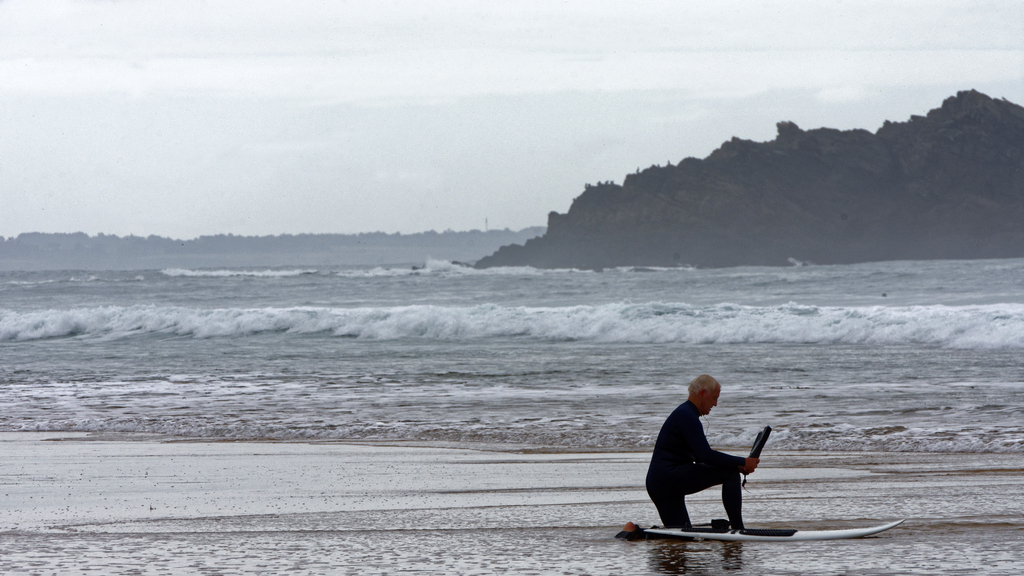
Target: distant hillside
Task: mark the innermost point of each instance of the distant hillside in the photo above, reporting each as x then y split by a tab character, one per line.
946	185
39	251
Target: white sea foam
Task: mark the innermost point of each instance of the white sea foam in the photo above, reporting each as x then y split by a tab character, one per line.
988	326
445	268
72	280
546	432
888	439
448	268
229	273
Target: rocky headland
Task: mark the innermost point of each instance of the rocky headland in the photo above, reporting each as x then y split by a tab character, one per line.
949	184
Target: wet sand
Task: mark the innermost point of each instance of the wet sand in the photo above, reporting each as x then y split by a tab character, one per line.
77	504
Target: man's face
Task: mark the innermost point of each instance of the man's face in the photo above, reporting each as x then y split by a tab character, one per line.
708	400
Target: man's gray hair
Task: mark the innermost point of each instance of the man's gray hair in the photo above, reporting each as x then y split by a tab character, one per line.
703	382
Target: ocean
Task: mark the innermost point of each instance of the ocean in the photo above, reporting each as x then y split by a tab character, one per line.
891	363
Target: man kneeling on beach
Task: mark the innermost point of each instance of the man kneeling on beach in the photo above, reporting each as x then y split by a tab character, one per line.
683	462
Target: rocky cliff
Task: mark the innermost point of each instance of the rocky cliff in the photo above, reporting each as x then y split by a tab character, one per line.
946	185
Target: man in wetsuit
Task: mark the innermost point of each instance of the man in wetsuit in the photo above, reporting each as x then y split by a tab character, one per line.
683	462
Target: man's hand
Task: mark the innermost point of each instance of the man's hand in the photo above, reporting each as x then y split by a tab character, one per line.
750	465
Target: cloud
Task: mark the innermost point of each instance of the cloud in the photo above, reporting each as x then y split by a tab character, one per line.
843	93
353	51
190	117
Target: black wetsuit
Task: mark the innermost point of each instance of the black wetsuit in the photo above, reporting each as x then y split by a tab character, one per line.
683	463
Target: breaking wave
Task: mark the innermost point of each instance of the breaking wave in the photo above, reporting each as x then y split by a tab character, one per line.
443	268
174	272
988	326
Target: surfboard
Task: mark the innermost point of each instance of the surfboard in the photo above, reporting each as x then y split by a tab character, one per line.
769	534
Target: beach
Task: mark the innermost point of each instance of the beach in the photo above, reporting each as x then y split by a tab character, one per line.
80	503
445	420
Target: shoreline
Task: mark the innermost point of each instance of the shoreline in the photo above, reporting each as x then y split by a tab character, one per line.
509	447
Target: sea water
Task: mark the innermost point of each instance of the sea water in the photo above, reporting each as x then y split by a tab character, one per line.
908	356
923	359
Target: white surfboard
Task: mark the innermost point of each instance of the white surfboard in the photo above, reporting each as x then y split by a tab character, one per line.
771	534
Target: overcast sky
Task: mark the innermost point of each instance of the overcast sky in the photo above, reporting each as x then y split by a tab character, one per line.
190	117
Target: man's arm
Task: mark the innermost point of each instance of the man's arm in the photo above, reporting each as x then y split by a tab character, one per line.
702	451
